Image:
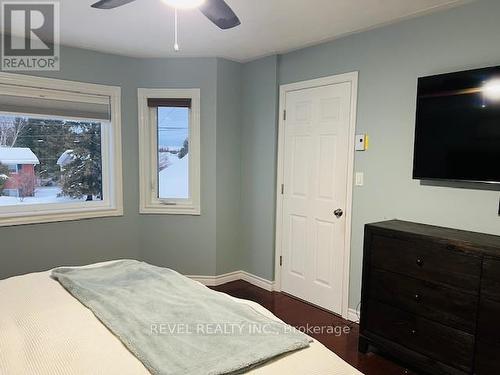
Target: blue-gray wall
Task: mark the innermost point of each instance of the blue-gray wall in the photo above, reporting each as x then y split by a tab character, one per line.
186	243
389	60
31	248
228	172
258	165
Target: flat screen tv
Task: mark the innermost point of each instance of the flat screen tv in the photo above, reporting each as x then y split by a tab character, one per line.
457	132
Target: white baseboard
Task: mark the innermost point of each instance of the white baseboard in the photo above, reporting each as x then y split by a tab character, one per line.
352	315
217	280
257	281
233	276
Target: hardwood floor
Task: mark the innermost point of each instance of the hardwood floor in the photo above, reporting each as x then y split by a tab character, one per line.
300	314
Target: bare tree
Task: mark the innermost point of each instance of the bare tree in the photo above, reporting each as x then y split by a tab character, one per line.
6	124
4	176
19	125
10	129
26	186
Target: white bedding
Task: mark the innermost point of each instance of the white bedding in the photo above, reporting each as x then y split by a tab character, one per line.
44	330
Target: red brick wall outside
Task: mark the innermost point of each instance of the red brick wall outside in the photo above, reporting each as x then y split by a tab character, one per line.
24	178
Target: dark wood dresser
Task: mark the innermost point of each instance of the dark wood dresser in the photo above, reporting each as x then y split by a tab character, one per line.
431	297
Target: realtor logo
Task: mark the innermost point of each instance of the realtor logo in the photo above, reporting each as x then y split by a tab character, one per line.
30	35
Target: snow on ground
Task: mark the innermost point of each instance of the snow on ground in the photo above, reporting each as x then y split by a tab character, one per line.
173	180
43	195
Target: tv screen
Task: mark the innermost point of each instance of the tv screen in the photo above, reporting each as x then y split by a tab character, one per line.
457	133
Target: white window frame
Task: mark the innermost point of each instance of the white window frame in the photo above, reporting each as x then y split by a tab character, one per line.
112	205
148	155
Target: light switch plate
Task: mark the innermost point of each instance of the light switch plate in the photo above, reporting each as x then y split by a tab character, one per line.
360	179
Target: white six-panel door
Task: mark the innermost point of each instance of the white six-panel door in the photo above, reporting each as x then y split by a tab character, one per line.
315	192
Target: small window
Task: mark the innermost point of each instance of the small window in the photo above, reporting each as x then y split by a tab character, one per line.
169	151
11	167
59	150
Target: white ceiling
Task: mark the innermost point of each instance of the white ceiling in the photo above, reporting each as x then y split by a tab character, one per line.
144	28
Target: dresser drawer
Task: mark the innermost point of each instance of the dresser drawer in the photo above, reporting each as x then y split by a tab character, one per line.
439	303
426	260
491	279
441	343
488	329
487	359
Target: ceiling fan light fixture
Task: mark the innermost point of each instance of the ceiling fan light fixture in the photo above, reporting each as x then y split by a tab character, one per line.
184	4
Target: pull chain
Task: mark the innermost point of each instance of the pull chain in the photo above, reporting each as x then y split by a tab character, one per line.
176	42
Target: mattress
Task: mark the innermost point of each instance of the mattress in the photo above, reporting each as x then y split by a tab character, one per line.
44	330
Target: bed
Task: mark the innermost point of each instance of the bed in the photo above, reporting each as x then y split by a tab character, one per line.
45	330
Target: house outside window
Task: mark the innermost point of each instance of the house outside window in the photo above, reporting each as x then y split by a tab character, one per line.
21	162
169	138
60	150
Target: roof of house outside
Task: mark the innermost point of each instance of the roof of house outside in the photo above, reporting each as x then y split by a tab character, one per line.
17	155
65	158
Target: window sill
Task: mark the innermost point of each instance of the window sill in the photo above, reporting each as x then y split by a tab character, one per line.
50	217
162	209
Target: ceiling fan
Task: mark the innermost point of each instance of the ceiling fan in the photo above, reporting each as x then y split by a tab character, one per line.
216	11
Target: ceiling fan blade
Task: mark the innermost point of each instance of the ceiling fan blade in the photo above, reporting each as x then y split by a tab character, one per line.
220	13
110	4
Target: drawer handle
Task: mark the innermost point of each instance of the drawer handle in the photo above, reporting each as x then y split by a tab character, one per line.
420	262
418	297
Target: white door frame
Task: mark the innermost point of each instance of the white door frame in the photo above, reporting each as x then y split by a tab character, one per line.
284	89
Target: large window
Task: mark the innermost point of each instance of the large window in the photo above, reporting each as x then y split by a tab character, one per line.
169	128
60	153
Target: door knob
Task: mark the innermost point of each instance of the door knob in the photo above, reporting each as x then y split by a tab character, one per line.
338	212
